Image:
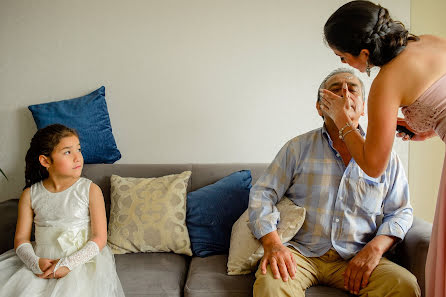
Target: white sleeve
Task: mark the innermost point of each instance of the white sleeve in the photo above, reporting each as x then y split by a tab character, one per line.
80	257
26	253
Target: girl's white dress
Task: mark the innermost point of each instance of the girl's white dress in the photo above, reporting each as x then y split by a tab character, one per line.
62	226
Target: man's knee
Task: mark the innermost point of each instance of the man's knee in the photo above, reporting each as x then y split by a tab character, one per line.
406	285
396	282
266	286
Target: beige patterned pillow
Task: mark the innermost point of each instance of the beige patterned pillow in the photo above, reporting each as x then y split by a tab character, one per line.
149	214
245	250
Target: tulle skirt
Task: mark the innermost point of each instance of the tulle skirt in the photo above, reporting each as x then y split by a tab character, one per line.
96	278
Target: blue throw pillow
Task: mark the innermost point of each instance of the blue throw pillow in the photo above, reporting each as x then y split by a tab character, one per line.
212	210
89	116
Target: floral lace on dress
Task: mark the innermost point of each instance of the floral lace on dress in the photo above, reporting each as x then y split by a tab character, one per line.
428	112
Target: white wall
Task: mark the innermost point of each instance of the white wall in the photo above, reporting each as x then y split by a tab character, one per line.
186	81
426	158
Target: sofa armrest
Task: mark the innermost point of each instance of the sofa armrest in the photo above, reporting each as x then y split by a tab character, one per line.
8	221
412	251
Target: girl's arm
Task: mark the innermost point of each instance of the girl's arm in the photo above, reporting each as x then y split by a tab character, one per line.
24	220
22	245
98	217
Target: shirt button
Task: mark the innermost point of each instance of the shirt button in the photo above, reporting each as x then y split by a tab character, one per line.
340	198
338	155
337	220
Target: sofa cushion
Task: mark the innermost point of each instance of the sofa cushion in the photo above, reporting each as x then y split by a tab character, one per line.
149	214
8	221
213	209
89	116
324	291
207	278
152	274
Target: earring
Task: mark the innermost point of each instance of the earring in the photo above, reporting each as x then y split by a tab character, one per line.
367	69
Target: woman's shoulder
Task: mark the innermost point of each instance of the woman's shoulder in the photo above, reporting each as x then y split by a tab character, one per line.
409	74
428	38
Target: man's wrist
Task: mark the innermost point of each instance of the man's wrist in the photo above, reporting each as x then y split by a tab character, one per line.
381	244
270	239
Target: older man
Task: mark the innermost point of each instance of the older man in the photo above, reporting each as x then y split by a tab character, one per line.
339	244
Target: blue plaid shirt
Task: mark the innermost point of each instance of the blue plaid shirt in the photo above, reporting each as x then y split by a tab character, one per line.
342	203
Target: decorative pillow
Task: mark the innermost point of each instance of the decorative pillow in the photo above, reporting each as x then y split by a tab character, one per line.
245	250
212	210
149	214
89	116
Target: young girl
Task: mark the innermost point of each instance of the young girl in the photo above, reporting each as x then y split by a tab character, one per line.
70	256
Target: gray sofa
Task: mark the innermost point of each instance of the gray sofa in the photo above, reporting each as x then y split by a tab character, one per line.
168	274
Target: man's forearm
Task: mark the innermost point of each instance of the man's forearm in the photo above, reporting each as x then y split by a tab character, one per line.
382	243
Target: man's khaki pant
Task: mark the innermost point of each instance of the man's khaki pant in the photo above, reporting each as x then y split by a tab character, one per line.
388	278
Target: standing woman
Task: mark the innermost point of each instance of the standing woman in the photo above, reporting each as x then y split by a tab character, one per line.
412	76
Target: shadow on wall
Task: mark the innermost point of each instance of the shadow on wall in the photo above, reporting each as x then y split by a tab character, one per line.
21	128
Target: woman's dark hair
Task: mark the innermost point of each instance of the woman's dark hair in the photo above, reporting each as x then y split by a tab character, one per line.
361	25
43	143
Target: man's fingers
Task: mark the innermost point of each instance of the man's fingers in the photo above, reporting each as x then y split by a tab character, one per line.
293	262
357	283
289	266
263	264
274	268
283	269
347	274
351	281
365	278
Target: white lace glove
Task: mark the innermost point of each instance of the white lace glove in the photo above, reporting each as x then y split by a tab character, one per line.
26	253
80	257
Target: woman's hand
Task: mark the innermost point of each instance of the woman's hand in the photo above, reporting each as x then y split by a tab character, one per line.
337	106
417	137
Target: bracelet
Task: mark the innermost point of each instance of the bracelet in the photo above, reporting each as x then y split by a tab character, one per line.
342	137
342	130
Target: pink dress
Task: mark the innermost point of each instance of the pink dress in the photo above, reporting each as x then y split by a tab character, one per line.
428	113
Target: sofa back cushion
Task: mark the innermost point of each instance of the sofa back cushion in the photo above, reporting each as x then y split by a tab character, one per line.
213	209
202	174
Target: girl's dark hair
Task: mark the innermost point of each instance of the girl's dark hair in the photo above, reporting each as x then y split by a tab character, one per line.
43	143
361	25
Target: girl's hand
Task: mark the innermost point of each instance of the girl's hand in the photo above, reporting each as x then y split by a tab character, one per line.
61	272
334	105
44	264
48	273
417	137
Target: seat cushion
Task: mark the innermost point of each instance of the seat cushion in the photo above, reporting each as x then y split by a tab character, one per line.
323	291
152	274
207	278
